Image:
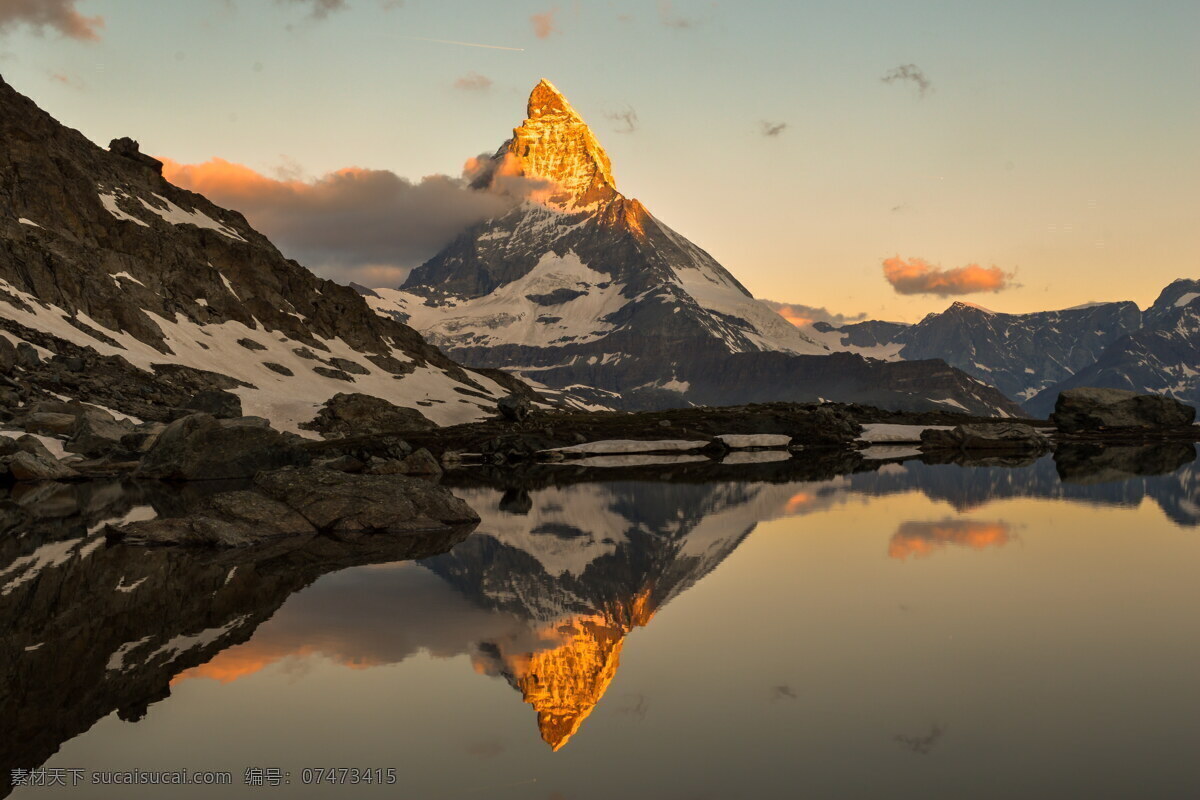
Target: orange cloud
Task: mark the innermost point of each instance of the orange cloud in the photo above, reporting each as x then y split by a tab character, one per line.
57	14
917	276
799	314
353	222
543	24
921	539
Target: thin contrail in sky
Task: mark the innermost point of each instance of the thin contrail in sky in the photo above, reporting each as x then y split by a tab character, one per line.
465	44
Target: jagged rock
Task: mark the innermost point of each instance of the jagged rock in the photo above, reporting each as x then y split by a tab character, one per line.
1091	463
26	466
8	446
345	463
557	297
420	462
280	368
96	433
50	423
337	502
516	446
1093	409
230	519
347	414
141	440
514	407
336	374
220	403
250	344
27	356
201	447
352	367
304	352
8	356
128	148
35	447
997	436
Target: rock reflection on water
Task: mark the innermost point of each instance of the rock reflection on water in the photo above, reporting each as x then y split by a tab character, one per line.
545	595
92	628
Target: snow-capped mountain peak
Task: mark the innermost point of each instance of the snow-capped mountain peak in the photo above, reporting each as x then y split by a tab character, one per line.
580	285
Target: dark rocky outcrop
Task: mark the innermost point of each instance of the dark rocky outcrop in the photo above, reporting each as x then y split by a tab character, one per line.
232	519
202	447
26	466
218	402
514	408
97	433
360	414
345	504
1003	436
1089	409
128	148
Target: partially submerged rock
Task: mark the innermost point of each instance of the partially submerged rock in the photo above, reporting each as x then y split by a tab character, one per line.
338	502
1089	409
1004	436
201	447
350	414
232	519
25	466
307	502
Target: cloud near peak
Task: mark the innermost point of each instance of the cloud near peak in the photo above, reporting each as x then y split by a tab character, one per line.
800	315
354	224
918	276
59	15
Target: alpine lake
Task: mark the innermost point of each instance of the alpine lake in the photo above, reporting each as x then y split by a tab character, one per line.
779	629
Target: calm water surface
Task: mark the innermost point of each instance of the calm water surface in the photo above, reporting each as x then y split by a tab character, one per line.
910	631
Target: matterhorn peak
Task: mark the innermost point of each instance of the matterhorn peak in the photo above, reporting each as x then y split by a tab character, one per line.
547	99
555	144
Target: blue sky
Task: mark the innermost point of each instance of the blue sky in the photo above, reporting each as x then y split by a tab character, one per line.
1056	140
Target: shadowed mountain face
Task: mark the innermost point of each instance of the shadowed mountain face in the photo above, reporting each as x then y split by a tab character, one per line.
153	286
582	286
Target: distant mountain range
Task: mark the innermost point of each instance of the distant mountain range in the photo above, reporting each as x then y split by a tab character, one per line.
1033	357
582	288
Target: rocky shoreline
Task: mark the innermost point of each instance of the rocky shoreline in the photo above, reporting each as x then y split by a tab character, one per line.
380	470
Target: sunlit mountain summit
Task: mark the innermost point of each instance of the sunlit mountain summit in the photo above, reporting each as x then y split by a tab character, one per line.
581	287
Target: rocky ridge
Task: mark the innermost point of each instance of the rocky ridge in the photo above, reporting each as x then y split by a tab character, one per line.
133	293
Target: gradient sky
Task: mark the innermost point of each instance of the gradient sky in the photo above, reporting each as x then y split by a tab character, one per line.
1056	140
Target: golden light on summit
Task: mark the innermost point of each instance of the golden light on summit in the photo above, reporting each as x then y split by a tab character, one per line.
564	683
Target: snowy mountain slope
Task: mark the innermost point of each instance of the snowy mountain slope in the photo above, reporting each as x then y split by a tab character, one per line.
581	285
1162	357
135	281
1019	354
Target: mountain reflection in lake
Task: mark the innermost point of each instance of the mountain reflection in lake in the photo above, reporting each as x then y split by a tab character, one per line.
905	630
